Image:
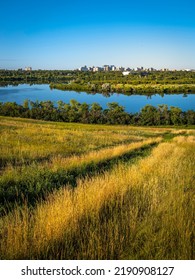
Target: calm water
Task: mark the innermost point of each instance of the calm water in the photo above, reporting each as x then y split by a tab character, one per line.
131	103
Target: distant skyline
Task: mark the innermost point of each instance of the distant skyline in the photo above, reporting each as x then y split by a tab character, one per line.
69	34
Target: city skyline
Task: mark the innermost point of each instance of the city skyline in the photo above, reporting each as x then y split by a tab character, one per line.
63	35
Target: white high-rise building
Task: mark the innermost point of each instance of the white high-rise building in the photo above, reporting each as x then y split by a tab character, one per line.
28	68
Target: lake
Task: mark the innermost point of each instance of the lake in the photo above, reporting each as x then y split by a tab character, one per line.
131	103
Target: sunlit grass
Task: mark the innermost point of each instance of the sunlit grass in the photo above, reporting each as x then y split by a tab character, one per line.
141	211
35	181
26	141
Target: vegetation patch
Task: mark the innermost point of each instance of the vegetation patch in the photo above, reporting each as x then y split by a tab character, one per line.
94	114
140	211
30	184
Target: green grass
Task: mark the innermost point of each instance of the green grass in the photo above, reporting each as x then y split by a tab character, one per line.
73	191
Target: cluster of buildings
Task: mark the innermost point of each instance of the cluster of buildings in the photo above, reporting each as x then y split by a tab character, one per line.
103	68
27	69
108	68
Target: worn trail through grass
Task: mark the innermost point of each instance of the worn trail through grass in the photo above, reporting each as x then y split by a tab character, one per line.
141	211
30	184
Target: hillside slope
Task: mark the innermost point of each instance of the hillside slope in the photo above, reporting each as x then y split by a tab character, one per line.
72	191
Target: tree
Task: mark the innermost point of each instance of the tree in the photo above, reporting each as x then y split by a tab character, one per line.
73	113
84	112
116	114
164	114
190	117
149	115
96	113
176	116
106	87
26	104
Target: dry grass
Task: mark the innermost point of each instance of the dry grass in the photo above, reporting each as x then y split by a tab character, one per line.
24	142
15	174
144	211
99	156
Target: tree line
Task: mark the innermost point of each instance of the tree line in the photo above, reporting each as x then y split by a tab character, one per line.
15	77
95	114
114	81
126	88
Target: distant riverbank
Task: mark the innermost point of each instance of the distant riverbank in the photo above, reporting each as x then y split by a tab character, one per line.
137	82
143	89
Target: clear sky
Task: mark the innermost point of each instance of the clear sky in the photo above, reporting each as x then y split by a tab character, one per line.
57	34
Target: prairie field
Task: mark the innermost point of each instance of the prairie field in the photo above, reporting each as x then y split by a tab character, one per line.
81	191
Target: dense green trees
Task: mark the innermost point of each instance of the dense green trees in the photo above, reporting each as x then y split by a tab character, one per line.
85	113
149	115
37	76
127	88
176	115
96	115
115	114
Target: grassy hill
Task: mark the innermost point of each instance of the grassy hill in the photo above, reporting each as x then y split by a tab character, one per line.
78	191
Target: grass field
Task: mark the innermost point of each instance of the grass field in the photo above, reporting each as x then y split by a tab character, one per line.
75	191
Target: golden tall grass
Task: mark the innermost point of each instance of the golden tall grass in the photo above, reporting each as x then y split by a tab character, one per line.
99	156
144	211
56	163
24	141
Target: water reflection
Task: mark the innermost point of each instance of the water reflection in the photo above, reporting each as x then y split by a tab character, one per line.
132	103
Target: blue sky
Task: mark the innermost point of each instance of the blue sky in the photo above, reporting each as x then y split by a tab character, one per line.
68	34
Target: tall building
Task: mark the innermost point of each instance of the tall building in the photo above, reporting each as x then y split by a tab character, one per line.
113	67
120	68
28	68
84	69
97	69
106	68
